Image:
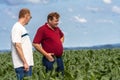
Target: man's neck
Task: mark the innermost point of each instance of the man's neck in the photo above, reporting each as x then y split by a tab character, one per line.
50	26
21	21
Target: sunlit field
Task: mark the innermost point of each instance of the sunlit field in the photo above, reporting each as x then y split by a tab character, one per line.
103	64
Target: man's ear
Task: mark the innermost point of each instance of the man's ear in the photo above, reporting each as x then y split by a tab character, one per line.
25	16
49	21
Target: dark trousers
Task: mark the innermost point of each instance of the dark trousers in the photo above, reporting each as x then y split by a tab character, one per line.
21	73
49	65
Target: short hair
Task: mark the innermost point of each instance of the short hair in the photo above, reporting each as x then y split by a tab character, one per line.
23	12
52	15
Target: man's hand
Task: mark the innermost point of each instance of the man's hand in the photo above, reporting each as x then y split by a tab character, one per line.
49	56
18	47
26	67
39	48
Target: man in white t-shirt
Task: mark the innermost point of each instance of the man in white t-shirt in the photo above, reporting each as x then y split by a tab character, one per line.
22	55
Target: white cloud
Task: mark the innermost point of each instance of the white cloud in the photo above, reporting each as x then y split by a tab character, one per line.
18	2
34	1
116	9
105	21
38	1
70	9
79	19
4	29
107	1
10	13
85	33
14	2
93	9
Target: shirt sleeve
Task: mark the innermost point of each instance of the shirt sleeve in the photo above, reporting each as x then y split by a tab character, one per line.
16	35
38	36
61	33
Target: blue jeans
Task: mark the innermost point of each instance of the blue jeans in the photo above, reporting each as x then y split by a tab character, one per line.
49	65
21	73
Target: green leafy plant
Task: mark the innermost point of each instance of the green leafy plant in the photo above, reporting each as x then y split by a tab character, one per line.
103	64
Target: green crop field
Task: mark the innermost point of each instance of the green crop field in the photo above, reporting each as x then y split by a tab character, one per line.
103	64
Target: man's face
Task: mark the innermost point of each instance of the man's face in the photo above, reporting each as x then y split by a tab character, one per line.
27	18
53	23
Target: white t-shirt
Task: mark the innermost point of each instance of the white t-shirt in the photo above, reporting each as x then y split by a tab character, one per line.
19	35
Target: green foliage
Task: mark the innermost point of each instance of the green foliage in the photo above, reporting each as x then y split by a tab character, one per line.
101	64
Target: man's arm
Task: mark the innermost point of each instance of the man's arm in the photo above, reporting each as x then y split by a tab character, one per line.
62	39
41	50
21	55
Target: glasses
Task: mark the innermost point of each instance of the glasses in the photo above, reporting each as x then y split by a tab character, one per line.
30	17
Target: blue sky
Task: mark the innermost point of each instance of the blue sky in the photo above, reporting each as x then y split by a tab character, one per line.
84	22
